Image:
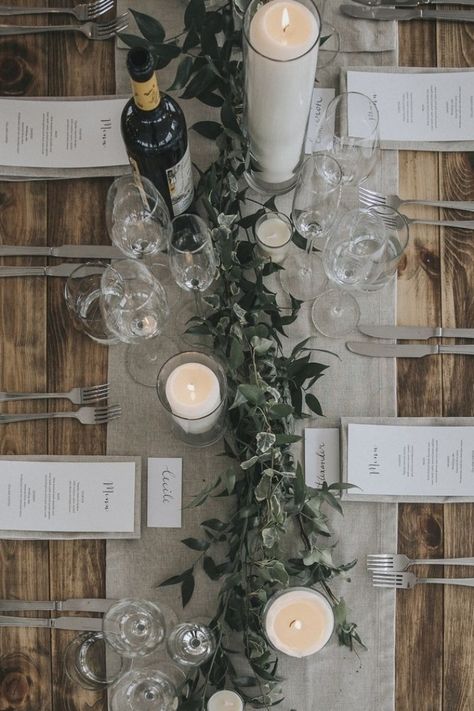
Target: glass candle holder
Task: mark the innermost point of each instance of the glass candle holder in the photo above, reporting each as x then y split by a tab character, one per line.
273	232
280	44
298	621
192	387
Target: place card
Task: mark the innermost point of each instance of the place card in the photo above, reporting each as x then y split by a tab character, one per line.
164	492
59	495
56	133
319	103
417	106
410	461
321	456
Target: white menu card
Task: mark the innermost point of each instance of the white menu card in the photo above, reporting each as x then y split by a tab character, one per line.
431	106
49	133
92	496
384	460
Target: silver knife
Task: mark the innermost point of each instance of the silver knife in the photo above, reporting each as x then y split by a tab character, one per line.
89	624
411	13
420	333
402	350
410	3
71	605
72	251
60	270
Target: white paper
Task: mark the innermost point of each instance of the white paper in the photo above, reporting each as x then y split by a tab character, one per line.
67	496
61	134
321	456
410	461
319	103
432	106
164	492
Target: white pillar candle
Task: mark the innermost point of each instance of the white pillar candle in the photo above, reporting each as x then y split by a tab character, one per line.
193	394
225	701
281	69
274	237
299	622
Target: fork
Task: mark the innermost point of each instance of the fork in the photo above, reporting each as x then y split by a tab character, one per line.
78	396
92	30
82	12
393	221
370	198
406	581
386	562
85	415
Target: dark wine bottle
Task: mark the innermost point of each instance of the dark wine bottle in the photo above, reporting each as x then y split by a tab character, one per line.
155	135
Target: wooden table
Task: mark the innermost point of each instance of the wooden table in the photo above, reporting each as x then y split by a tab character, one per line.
39	350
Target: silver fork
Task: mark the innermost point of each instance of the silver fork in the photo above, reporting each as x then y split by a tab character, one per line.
386	562
82	12
393	222
78	396
92	30
406	581
85	415
370	198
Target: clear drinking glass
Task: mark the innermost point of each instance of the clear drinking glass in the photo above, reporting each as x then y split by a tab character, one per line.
144	690
349	130
89	663
83	294
315	204
134	628
137	218
190	644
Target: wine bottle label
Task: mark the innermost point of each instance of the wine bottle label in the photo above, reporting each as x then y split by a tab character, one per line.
180	184
146	94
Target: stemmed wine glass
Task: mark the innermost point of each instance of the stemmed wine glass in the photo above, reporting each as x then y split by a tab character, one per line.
349	130
146	689
190	644
315	204
361	254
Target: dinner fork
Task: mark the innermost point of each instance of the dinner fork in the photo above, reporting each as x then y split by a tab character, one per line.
82	12
370	198
85	415
78	396
393	221
92	30
406	581
386	562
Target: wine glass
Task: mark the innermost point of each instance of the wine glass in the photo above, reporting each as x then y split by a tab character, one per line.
135	310
83	295
134	628
88	663
148	689
349	130
315	204
190	644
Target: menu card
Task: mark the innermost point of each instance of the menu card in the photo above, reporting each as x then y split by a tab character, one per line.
416	106
401	460
64	496
51	133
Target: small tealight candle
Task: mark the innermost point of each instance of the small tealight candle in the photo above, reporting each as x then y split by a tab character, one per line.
193	393
225	701
273	235
299	622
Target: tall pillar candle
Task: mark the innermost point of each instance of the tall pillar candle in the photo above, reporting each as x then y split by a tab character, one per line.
281	52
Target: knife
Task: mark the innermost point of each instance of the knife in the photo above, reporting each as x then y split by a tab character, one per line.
421	333
397	350
410	3
73	251
71	605
89	624
412	13
60	270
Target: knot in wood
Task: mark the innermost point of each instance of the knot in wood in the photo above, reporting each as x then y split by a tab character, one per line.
431	531
429	261
15	73
20	685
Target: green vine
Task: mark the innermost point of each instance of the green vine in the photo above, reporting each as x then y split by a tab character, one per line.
268	392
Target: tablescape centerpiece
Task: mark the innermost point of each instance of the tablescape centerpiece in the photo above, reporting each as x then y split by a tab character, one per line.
268	390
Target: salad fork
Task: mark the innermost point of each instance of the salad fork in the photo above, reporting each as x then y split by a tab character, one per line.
406	581
82	12
393	222
92	30
85	415
386	562
371	198
78	396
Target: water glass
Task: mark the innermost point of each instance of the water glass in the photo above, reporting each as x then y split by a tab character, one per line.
190	644
83	298
396	241
91	664
134	628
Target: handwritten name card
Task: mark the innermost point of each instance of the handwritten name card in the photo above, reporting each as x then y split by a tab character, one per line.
321	456
164	505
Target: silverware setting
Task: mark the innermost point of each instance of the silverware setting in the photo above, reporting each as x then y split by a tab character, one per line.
418	12
406	581
405	350
82	12
70	605
91	30
78	396
417	333
71	251
397	562
371	198
86	415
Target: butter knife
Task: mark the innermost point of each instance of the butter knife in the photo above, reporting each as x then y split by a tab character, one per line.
89	624
411	13
421	333
71	605
71	251
402	350
60	270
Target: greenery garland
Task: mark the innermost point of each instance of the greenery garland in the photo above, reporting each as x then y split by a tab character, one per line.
268	391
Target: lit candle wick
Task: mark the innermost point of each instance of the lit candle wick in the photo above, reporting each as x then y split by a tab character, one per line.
296	625
285	20
192	390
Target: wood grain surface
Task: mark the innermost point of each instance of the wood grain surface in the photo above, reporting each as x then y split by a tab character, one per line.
39	349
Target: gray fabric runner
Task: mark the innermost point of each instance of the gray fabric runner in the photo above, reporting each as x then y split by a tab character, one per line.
336	679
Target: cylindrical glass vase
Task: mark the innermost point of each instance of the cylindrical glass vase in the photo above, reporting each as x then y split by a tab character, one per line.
280	42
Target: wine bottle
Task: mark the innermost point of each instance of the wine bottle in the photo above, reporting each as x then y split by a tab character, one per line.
155	135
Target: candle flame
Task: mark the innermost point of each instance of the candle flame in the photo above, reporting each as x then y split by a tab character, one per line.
192	390
296	625
285	19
